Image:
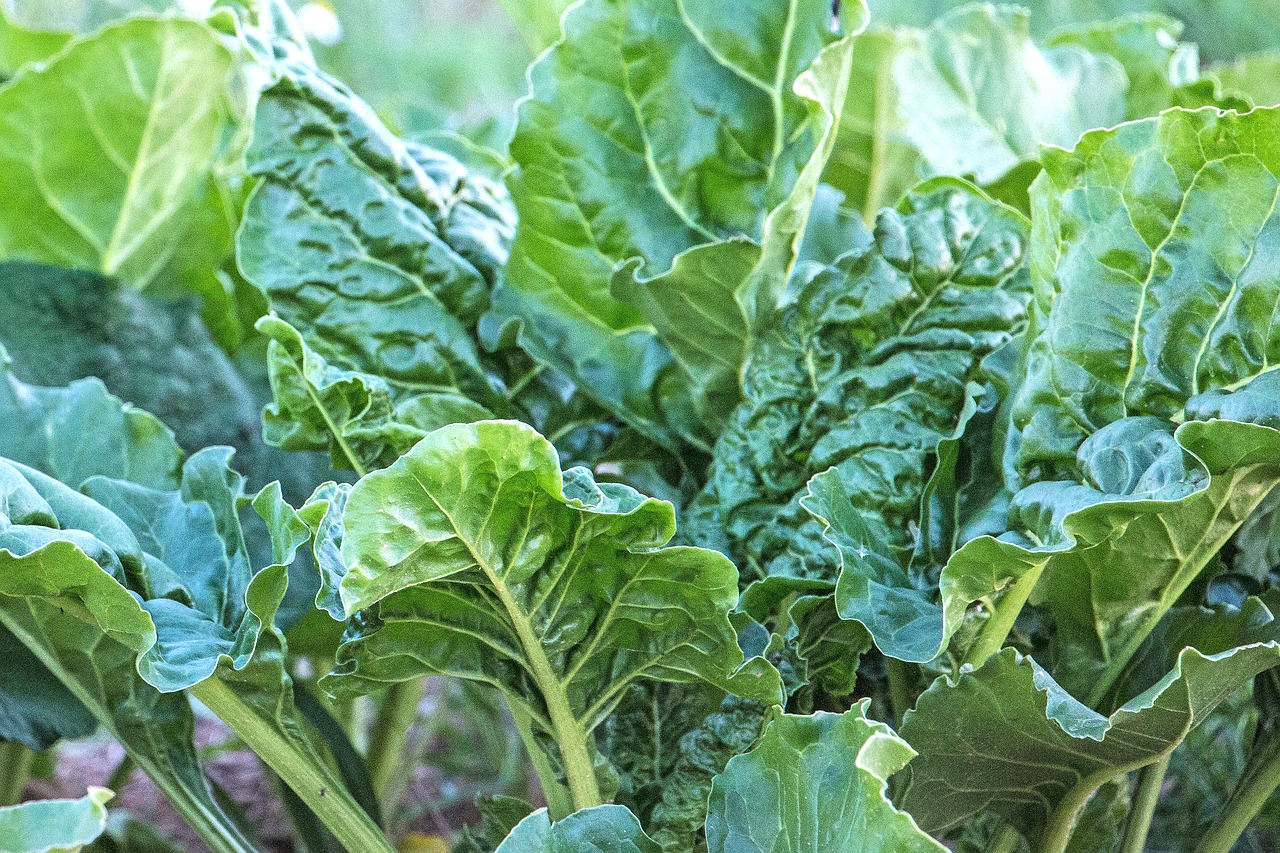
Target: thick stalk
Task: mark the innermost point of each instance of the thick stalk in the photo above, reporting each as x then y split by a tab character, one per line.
389	736
1062	822
559	800
15	769
899	691
1146	796
1006	841
320	789
1005	613
569	734
1260	780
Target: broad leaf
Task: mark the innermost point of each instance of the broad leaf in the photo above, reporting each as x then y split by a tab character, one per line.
377	257
54	826
817	782
473	573
603	829
980	97
1252	77
109	143
20	45
36	709
1006	737
861	377
653	128
78	431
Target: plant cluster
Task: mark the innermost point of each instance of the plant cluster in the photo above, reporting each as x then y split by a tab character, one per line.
808	434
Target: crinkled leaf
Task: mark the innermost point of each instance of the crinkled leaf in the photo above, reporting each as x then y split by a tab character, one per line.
1006	737
377	257
54	826
817	782
108	144
473	573
602	829
653	128
861	377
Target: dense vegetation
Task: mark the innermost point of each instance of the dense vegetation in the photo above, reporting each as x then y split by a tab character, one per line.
792	427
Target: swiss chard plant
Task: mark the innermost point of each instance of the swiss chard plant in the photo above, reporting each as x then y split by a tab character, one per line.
820	428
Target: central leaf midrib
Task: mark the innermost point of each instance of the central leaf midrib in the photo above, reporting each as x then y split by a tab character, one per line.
566	728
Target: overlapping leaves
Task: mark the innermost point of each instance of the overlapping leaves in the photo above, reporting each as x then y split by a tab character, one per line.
686	138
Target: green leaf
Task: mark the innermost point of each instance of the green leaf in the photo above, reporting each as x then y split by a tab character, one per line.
109	143
1254	77
1147	47
79	431
861	377
656	128
62	593
36	709
470	576
20	45
54	826
873	162
817	782
981	97
602	829
377	257
992	735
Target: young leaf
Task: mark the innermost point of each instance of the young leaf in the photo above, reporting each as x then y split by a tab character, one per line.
653	128
817	782
54	826
108	144
1006	737
474	556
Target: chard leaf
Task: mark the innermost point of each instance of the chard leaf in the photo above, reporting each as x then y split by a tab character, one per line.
62	595
982	96
602	829
80	431
36	709
1253	77
1149	261
159	584
861	377
815	782
662	128
54	826
473	573
1008	738
20	45
109	143
873	162
377	257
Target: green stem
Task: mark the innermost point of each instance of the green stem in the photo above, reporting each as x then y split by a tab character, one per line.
899	691
1006	841
15	769
1260	780
570	735
559	800
389	736
1146	796
320	789
1062	822
1005	613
